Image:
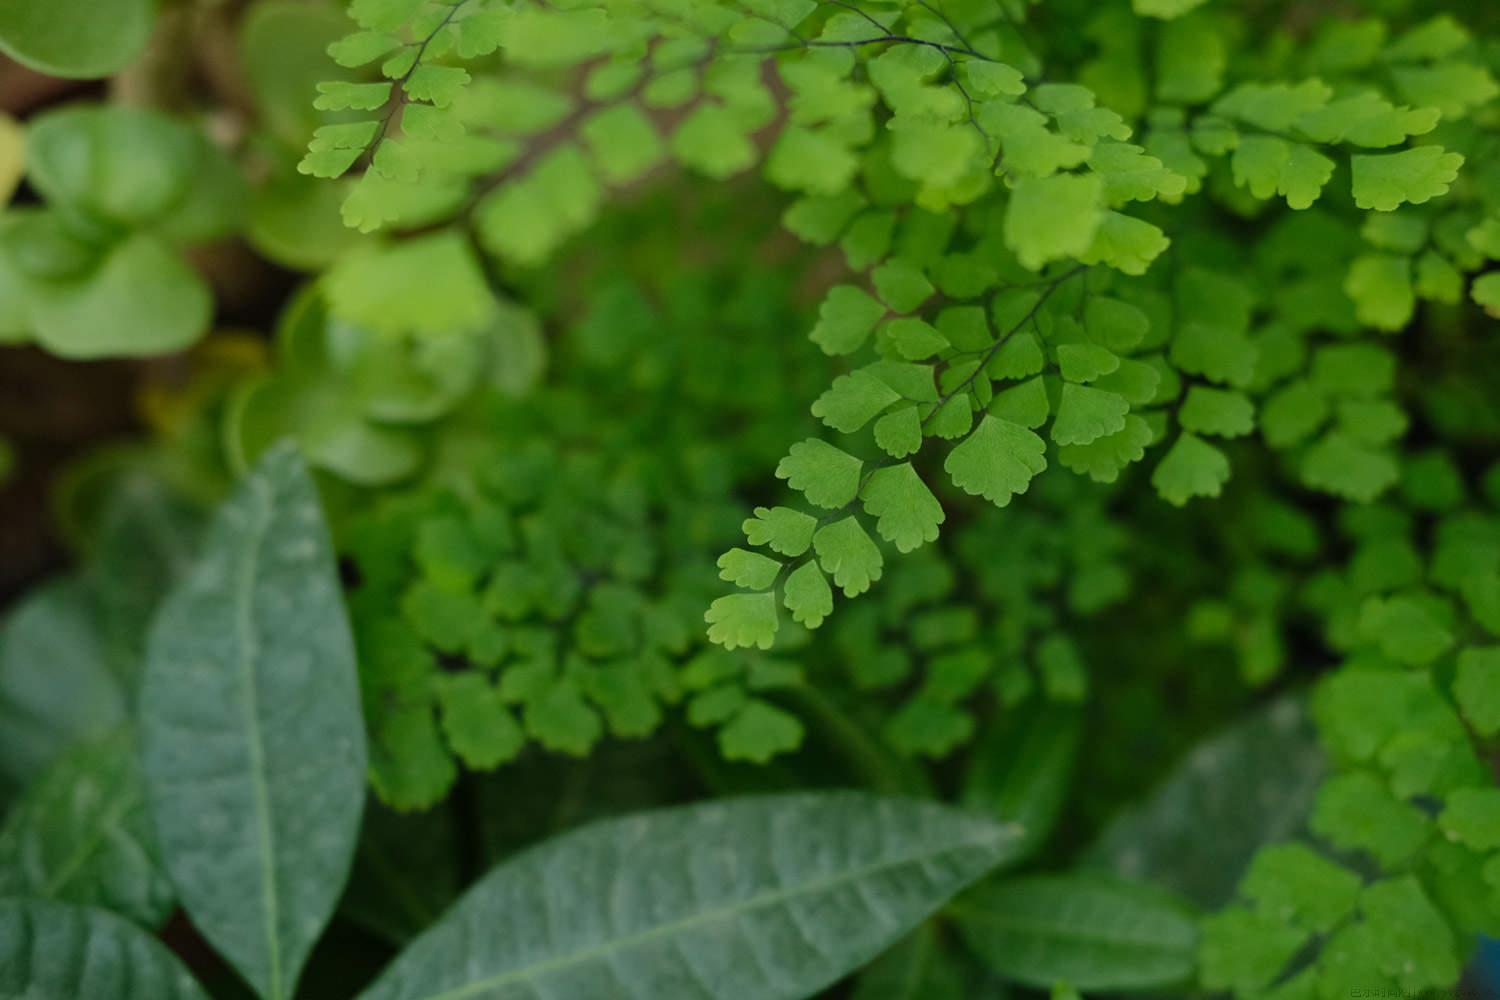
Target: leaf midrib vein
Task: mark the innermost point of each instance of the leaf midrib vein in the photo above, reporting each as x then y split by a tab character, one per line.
90	845
245	643
706	916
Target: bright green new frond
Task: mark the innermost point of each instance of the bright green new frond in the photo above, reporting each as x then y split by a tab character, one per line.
997	461
1386	181
1191	468
907	514
827	476
846	553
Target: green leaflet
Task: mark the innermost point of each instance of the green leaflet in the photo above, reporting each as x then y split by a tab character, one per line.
851	858
1054	218
787	531
853	401
1388	180
57	950
432	284
1271	166
249	677
847	554
845	320
907	514
1085	414
1097	934
1191	468
807	595
736	620
80	834
997	461
748	569
828	476
1477	688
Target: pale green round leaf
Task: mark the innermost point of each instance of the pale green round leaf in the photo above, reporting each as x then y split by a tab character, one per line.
143	299
75	38
112	167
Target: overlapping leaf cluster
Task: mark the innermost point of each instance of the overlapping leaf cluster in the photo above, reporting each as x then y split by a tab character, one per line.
1406	718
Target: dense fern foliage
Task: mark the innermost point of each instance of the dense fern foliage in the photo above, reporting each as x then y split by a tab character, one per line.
1080	413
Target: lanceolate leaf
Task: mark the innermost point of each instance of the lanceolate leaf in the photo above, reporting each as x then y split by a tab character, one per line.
80	834
1021	771
1093	933
253	743
56	686
54	950
1250	785
764	898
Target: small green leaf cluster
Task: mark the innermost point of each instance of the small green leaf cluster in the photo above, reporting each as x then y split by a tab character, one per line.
362	403
95	271
549	602
982	627
1405	719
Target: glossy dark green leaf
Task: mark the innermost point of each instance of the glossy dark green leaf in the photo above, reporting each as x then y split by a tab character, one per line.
56	682
252	738
55	951
1092	932
927	965
143	540
1021	769
773	897
406	871
80	834
1252	784
75	38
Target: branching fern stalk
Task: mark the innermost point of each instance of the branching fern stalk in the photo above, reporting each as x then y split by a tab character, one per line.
1015	292
1149	374
917	144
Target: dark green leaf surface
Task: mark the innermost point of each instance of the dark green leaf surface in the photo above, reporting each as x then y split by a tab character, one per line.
762	898
80	834
56	685
1250	785
926	966
253	744
1020	772
1094	933
143	542
53	951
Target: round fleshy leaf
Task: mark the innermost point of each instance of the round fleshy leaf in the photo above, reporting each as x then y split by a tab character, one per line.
81	39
